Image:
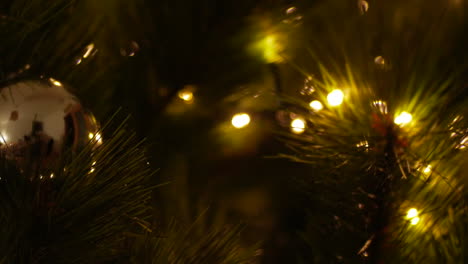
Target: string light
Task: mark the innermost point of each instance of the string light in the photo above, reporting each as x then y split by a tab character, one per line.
413	216
316	105
427	170
240	120
298	126
185	95
403	119
55	82
335	98
381	106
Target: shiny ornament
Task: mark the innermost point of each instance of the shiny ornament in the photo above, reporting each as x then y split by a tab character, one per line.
39	119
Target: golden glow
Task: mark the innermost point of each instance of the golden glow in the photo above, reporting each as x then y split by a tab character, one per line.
335	98
362	144
381	106
427	170
463	143
298	126
97	137
414	221
412	213
271	48
3	138
186	95
316	105
88	50
55	82
52	175
240	120
379	60
413	216
403	119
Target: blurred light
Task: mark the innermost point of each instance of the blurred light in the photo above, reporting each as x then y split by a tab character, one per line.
427	170
55	82
271	48
381	106
41	177
379	60
52	175
414	221
88	50
403	118
240	120
412	213
291	10
361	144
3	138
97	137
185	95
335	98
463	143
363	6
316	105
298	126
308	88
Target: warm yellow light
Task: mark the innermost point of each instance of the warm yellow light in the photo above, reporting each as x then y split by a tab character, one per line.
412	213
427	170
335	98
414	220
186	95
316	105
298	126
52	175
271	48
3	138
88	50
55	82
90	135
240	120
403	118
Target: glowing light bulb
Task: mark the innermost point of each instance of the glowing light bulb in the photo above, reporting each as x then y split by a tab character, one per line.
403	119
240	120
298	126
427	170
335	98
90	135
186	95
55	82
316	105
414	221
412	213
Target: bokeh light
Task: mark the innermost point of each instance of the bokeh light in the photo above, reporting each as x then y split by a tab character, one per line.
186	95
240	120
335	97
316	105
55	82
403	118
298	126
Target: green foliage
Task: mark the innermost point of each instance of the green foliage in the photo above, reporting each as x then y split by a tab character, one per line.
367	171
80	212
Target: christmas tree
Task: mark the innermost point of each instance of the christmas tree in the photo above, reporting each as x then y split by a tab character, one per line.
266	131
